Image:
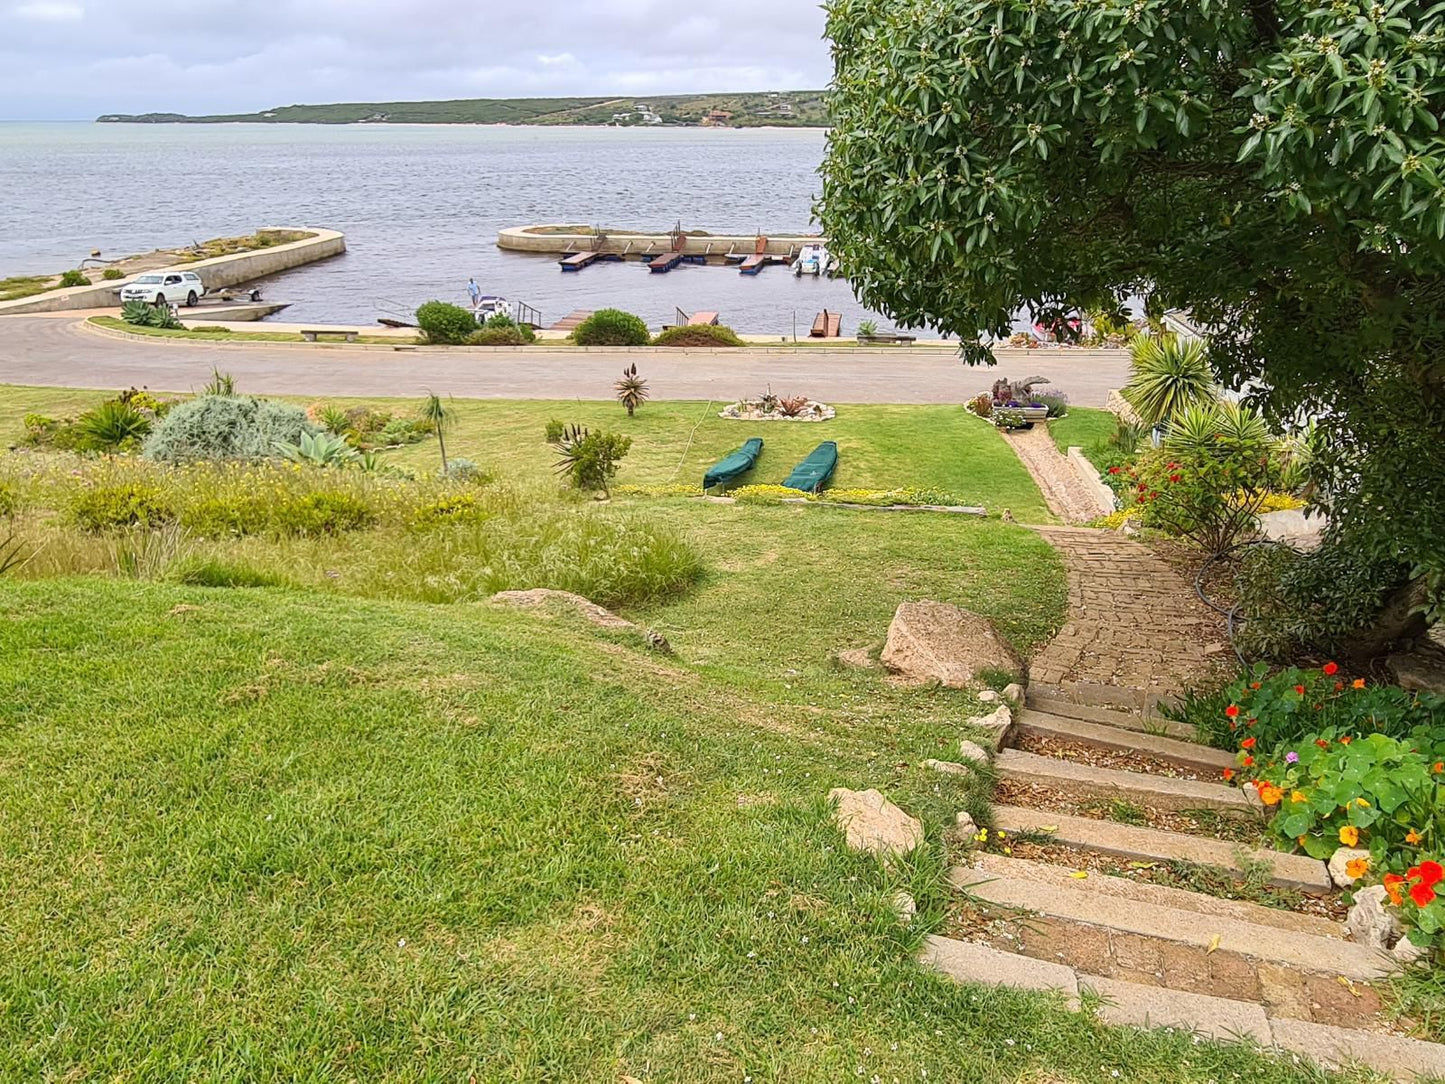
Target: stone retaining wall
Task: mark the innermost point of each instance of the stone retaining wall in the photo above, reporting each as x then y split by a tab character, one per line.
521	239
217	273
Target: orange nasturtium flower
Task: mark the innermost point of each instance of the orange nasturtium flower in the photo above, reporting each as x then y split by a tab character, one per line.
1346	739
1357	867
1270	794
1249	742
1359	683
1413	836
1248	762
1392	883
1232	711
1438	767
1350	835
1300	689
1228	774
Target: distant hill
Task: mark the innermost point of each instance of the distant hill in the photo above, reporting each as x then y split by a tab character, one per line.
797	109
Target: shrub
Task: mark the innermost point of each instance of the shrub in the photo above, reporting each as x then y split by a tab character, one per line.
982	405
321	513
1166	377
226	427
1056	401
74	278
460	469
450	509
228	514
113	426
555	431
112	274
702	335
114	506
215	573
496	336
611	327
144	314
446	324
501	322
589	460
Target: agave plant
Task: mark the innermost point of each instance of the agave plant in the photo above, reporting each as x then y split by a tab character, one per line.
137	313
335	419
1166	378
631	389
790	406
112	426
319	450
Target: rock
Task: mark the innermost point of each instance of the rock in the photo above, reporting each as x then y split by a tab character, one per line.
947	767
972	752
872	823
988	696
542	597
933	641
905	906
1422	670
1406	952
995	724
966	826
1339	860
858	657
1014	694
1368	922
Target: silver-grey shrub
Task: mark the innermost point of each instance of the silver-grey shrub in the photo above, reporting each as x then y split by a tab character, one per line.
226	427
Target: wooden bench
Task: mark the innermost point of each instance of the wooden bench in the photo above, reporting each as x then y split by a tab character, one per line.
887	337
311	335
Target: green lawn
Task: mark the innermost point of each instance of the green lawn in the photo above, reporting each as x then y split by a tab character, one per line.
281	836
1083	428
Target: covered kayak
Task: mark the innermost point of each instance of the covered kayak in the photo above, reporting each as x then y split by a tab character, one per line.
812	474
734	465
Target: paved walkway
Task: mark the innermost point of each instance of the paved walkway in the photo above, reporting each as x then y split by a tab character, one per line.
61	352
1134	623
1064	491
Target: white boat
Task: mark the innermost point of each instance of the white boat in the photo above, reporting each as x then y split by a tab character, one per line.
488	306
811	260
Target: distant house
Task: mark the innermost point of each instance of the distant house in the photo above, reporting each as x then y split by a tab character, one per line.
716	118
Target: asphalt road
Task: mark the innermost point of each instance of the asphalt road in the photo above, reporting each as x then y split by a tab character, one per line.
62	352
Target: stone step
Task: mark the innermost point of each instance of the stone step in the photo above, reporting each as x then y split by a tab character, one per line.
1132	1004
1125	720
1087	781
1294	871
1120	699
1119	928
1200	758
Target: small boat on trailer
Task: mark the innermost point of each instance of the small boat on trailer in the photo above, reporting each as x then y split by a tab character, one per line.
813	474
733	465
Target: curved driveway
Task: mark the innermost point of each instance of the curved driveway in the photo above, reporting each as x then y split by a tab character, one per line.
61	352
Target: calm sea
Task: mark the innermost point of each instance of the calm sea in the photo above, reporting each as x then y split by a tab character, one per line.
421	206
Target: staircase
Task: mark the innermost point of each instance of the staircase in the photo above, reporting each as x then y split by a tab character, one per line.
1063	898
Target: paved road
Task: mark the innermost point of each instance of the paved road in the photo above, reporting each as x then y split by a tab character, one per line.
63	353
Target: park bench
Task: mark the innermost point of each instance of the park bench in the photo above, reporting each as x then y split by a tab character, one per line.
888	337
311	335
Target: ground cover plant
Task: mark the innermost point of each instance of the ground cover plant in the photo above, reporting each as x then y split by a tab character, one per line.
704	336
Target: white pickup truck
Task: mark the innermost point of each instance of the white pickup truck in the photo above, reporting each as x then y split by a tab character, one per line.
165	287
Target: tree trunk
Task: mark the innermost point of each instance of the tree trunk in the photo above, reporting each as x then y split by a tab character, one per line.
1401	619
442	444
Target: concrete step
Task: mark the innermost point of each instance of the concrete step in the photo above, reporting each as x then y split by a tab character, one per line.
1121	699
1114	927
1132	1004
1294	871
1086	781
1195	757
1124	720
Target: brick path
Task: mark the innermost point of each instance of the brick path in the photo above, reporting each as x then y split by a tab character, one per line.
1134	623
1055	476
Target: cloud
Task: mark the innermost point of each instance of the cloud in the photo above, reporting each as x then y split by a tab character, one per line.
70	59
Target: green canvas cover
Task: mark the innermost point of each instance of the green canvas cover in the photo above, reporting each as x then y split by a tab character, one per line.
734	465
812	474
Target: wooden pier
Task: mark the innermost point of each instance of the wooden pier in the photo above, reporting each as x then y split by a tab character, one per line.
828	325
571	320
661	265
578	260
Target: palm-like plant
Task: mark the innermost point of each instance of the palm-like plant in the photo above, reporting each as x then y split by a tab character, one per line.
1200	430
631	389
434	411
220	384
1167	377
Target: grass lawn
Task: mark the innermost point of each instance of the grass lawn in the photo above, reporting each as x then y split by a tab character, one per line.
1083	427
117	324
285	836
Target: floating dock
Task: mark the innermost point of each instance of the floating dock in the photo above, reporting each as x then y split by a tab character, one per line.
571	320
563	241
661	265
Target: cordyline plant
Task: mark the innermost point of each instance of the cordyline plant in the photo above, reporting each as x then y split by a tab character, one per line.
1276	167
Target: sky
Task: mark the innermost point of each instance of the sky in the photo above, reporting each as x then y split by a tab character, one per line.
76	59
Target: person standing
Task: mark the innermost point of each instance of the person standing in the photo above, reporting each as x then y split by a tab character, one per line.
474	292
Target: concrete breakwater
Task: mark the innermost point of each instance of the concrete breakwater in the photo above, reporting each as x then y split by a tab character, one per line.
217	272
563	240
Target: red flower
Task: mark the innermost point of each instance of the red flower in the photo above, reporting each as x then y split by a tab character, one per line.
1254	685
1422	894
1176	477
1142	487
1346	739
1248	742
1232	711
1429	873
1300	689
1249	762
1331	669
1228	774
1172	466
1339	686
1322	743
1439	767
1113	470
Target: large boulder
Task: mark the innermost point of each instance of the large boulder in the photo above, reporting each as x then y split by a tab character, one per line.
934	641
872	823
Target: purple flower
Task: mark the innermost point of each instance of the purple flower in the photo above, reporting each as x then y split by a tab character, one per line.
1291	758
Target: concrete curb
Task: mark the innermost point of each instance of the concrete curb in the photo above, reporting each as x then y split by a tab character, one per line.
1102	494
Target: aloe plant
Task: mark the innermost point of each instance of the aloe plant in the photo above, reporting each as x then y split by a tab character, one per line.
319	450
631	390
1167	377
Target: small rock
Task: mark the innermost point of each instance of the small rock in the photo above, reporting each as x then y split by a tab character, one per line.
996	725
858	657
1014	694
966	825
988	696
1339	860
657	642
1406	952
947	767
972	752
905	906
1368	922
541	597
872	823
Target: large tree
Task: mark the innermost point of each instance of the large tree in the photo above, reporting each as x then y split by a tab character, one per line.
1273	166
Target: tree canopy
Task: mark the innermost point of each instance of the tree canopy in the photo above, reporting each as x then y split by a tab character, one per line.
1276	167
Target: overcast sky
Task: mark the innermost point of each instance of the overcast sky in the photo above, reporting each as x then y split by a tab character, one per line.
75	59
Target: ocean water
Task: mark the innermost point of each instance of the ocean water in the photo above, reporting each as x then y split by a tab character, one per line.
421	206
